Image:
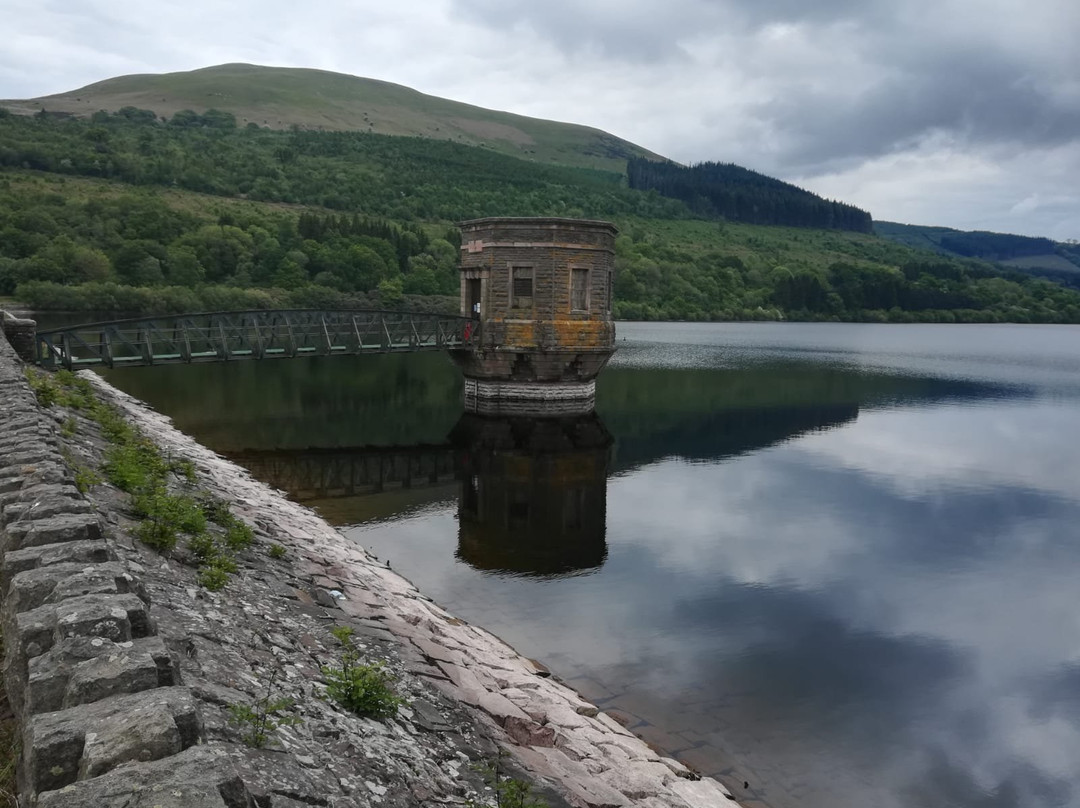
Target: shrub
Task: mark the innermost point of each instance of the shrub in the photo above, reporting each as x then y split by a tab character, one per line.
239	536
160	535
362	688
216	510
86	478
179	511
202	546
509	791
263	716
183	468
213	578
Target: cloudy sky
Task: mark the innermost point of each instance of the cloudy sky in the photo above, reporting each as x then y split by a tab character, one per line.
963	113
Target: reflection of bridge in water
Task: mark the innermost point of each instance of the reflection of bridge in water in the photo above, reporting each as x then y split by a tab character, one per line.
532	492
326	473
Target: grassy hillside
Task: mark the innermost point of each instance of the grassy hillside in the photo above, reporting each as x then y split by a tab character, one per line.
281	97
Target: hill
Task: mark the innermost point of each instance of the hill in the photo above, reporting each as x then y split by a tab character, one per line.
126	212
1043	257
283	97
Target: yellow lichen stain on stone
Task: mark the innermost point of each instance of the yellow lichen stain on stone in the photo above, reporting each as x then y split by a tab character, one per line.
573	469
521	334
582	333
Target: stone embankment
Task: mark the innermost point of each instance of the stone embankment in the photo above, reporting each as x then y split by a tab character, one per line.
121	669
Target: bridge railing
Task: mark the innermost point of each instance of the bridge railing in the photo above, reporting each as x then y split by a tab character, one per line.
224	336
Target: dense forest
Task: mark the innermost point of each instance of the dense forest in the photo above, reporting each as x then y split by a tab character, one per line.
996	246
125	212
399	178
737	194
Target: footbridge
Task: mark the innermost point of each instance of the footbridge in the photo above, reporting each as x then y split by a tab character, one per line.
263	334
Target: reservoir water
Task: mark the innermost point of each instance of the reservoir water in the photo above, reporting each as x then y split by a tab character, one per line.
838	563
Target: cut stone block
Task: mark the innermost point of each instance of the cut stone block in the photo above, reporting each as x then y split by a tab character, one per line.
114	617
199	777
32	588
56	529
91	739
33	490
82	670
46	555
16	478
47	506
34	631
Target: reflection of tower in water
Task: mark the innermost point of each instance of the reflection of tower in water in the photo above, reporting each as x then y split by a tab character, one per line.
533	493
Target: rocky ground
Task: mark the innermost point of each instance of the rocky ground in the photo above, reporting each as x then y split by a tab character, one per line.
125	672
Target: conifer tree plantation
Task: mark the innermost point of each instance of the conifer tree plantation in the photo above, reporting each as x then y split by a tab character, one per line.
128	212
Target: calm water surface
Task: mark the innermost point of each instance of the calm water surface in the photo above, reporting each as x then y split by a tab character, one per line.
839	562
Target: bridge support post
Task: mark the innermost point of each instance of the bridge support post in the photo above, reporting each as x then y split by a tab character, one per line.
22	335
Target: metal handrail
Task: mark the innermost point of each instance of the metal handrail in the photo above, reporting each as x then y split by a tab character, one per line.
253	334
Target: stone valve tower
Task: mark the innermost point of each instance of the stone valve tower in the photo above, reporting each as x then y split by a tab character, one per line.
539	291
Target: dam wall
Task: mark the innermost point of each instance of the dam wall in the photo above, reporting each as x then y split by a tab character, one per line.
126	677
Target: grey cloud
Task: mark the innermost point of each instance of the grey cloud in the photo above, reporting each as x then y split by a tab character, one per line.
634	32
858	81
978	100
645	31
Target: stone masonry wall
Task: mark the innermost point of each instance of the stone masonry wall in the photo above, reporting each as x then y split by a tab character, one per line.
21	334
121	669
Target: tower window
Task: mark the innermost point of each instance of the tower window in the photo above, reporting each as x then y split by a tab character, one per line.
522	288
579	289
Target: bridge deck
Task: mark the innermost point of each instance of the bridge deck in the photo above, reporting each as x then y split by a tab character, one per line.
228	336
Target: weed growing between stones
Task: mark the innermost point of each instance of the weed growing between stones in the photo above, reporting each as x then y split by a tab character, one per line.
43	386
508	792
135	464
362	688
216	553
276	551
165	516
63	388
85	477
262	717
183	468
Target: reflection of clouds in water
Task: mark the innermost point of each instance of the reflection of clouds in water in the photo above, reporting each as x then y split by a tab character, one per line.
887	609
1028	445
902	533
724	520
